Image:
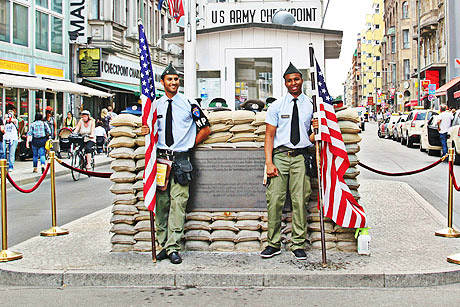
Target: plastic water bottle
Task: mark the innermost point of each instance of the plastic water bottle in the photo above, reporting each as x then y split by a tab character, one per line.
364	241
203	95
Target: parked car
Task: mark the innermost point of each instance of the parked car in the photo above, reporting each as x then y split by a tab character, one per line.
429	139
382	127
412	128
391	124
453	137
397	128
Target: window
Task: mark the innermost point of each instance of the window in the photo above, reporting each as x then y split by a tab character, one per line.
377	26
405	10
49	26
56	35
405	37
117	11
406	69
20	29
41	31
377	9
56	6
393	44
42	3
248	87
377	58
5	21
94	9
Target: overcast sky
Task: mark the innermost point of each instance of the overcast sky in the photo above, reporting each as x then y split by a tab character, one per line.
348	16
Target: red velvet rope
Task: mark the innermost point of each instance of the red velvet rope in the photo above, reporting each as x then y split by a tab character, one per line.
451	171
89	173
42	177
403	173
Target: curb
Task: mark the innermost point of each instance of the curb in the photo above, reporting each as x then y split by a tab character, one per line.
77	278
59	173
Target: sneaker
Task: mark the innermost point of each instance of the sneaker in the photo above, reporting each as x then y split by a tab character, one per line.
35	170
43	169
300	254
269	252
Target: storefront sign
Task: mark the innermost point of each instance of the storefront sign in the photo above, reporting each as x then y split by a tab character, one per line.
306	13
49	71
120	70
14	66
78	21
89	60
425	84
228	180
370	101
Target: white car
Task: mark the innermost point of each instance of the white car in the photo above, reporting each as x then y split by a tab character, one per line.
397	128
391	124
429	140
412	128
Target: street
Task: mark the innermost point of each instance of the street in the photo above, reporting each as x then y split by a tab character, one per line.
390	156
28	214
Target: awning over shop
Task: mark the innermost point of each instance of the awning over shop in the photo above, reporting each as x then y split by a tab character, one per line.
443	89
78	89
411	103
135	89
457	94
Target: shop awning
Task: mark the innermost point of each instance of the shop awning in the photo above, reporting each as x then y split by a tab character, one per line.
135	89
78	89
443	89
411	103
457	94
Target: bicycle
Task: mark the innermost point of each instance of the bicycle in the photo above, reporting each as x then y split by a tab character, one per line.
79	155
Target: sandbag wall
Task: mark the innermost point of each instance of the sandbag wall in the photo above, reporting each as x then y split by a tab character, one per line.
217	231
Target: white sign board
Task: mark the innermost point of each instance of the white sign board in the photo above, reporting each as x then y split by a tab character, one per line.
119	70
307	13
78	29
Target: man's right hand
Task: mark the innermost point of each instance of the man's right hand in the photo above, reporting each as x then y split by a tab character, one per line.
272	171
145	130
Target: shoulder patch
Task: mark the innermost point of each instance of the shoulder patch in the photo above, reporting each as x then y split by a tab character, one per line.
196	111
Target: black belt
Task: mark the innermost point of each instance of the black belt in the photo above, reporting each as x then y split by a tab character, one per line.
290	152
173	154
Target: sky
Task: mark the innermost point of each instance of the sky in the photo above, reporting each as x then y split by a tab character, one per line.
348	16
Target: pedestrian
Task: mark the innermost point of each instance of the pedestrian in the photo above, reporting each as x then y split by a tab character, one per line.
51	121
287	138
10	139
101	136
179	118
444	123
105	118
39	133
70	121
111	113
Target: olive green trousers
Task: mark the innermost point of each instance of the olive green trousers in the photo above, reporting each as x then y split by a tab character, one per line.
291	176
170	216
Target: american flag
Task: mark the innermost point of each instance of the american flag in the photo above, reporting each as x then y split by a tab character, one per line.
149	118
339	203
176	8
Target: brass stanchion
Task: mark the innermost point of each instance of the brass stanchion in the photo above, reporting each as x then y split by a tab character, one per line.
5	254
55	230
449	232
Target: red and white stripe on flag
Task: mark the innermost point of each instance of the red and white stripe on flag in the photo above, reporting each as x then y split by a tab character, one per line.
176	9
149	118
339	203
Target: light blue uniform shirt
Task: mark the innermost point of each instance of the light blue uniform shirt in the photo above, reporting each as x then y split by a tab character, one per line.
184	127
279	114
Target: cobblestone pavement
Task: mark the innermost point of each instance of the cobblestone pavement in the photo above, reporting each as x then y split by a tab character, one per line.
402	233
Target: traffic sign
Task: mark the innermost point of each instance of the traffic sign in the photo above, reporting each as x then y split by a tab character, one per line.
432	89
431	97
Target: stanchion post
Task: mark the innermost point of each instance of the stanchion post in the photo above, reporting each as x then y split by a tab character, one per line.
54	230
449	232
5	254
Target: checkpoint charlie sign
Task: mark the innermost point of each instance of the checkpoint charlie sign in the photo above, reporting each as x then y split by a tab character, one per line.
306	13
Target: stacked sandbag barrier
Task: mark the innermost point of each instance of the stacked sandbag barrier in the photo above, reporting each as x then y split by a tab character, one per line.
217	231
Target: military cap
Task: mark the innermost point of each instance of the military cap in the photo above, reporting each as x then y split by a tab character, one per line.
291	70
169	70
218	103
253	105
269	101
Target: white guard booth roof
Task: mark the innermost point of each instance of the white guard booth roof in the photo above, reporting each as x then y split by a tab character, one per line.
37	84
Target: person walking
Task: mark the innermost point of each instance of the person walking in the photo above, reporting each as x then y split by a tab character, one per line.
69	121
287	138
38	134
179	117
105	118
444	123
51	121
10	139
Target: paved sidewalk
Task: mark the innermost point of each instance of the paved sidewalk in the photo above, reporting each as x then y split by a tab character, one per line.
22	173
405	253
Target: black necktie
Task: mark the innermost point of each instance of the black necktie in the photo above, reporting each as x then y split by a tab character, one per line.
169	133
295	133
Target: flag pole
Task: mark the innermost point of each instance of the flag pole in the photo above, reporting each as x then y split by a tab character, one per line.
318	154
152	233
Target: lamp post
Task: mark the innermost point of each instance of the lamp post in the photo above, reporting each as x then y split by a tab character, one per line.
418	53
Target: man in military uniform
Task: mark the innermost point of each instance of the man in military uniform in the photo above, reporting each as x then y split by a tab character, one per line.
181	126
287	138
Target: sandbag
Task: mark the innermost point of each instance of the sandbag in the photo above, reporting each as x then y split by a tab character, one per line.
140	195
223	225
123	165
139	153
122	141
349	138
124	209
248	246
264	216
198	235
264	226
143	236
287	228
248	235
351	172
314	217
197	225
220	128
122	153
248	225
223	215
197	246
352	183
123	229
222	246
142	246
348	114
261	130
124	199
143	226
260	138
242	128
122	131
140	175
142	215
345	237
316	236
242	117
259	119
220	117
348	127
329	245
199	216
138	131
347	246
138	185
353	160
219	137
246	215
223	235
125	120
122	188
140	206
352	148
119	218
263	236
242	137
315	226
140	165
340	229
122	239
356	194
140	141
121	247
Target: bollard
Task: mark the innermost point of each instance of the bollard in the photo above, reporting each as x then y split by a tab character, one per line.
54	230
449	232
5	254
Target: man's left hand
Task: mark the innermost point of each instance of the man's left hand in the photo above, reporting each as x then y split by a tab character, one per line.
315	123
145	130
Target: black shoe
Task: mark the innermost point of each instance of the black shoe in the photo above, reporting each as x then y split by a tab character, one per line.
175	258
43	169
269	252
300	254
162	255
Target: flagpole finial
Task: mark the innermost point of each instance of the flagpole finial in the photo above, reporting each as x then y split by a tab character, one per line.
139	21
310	44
